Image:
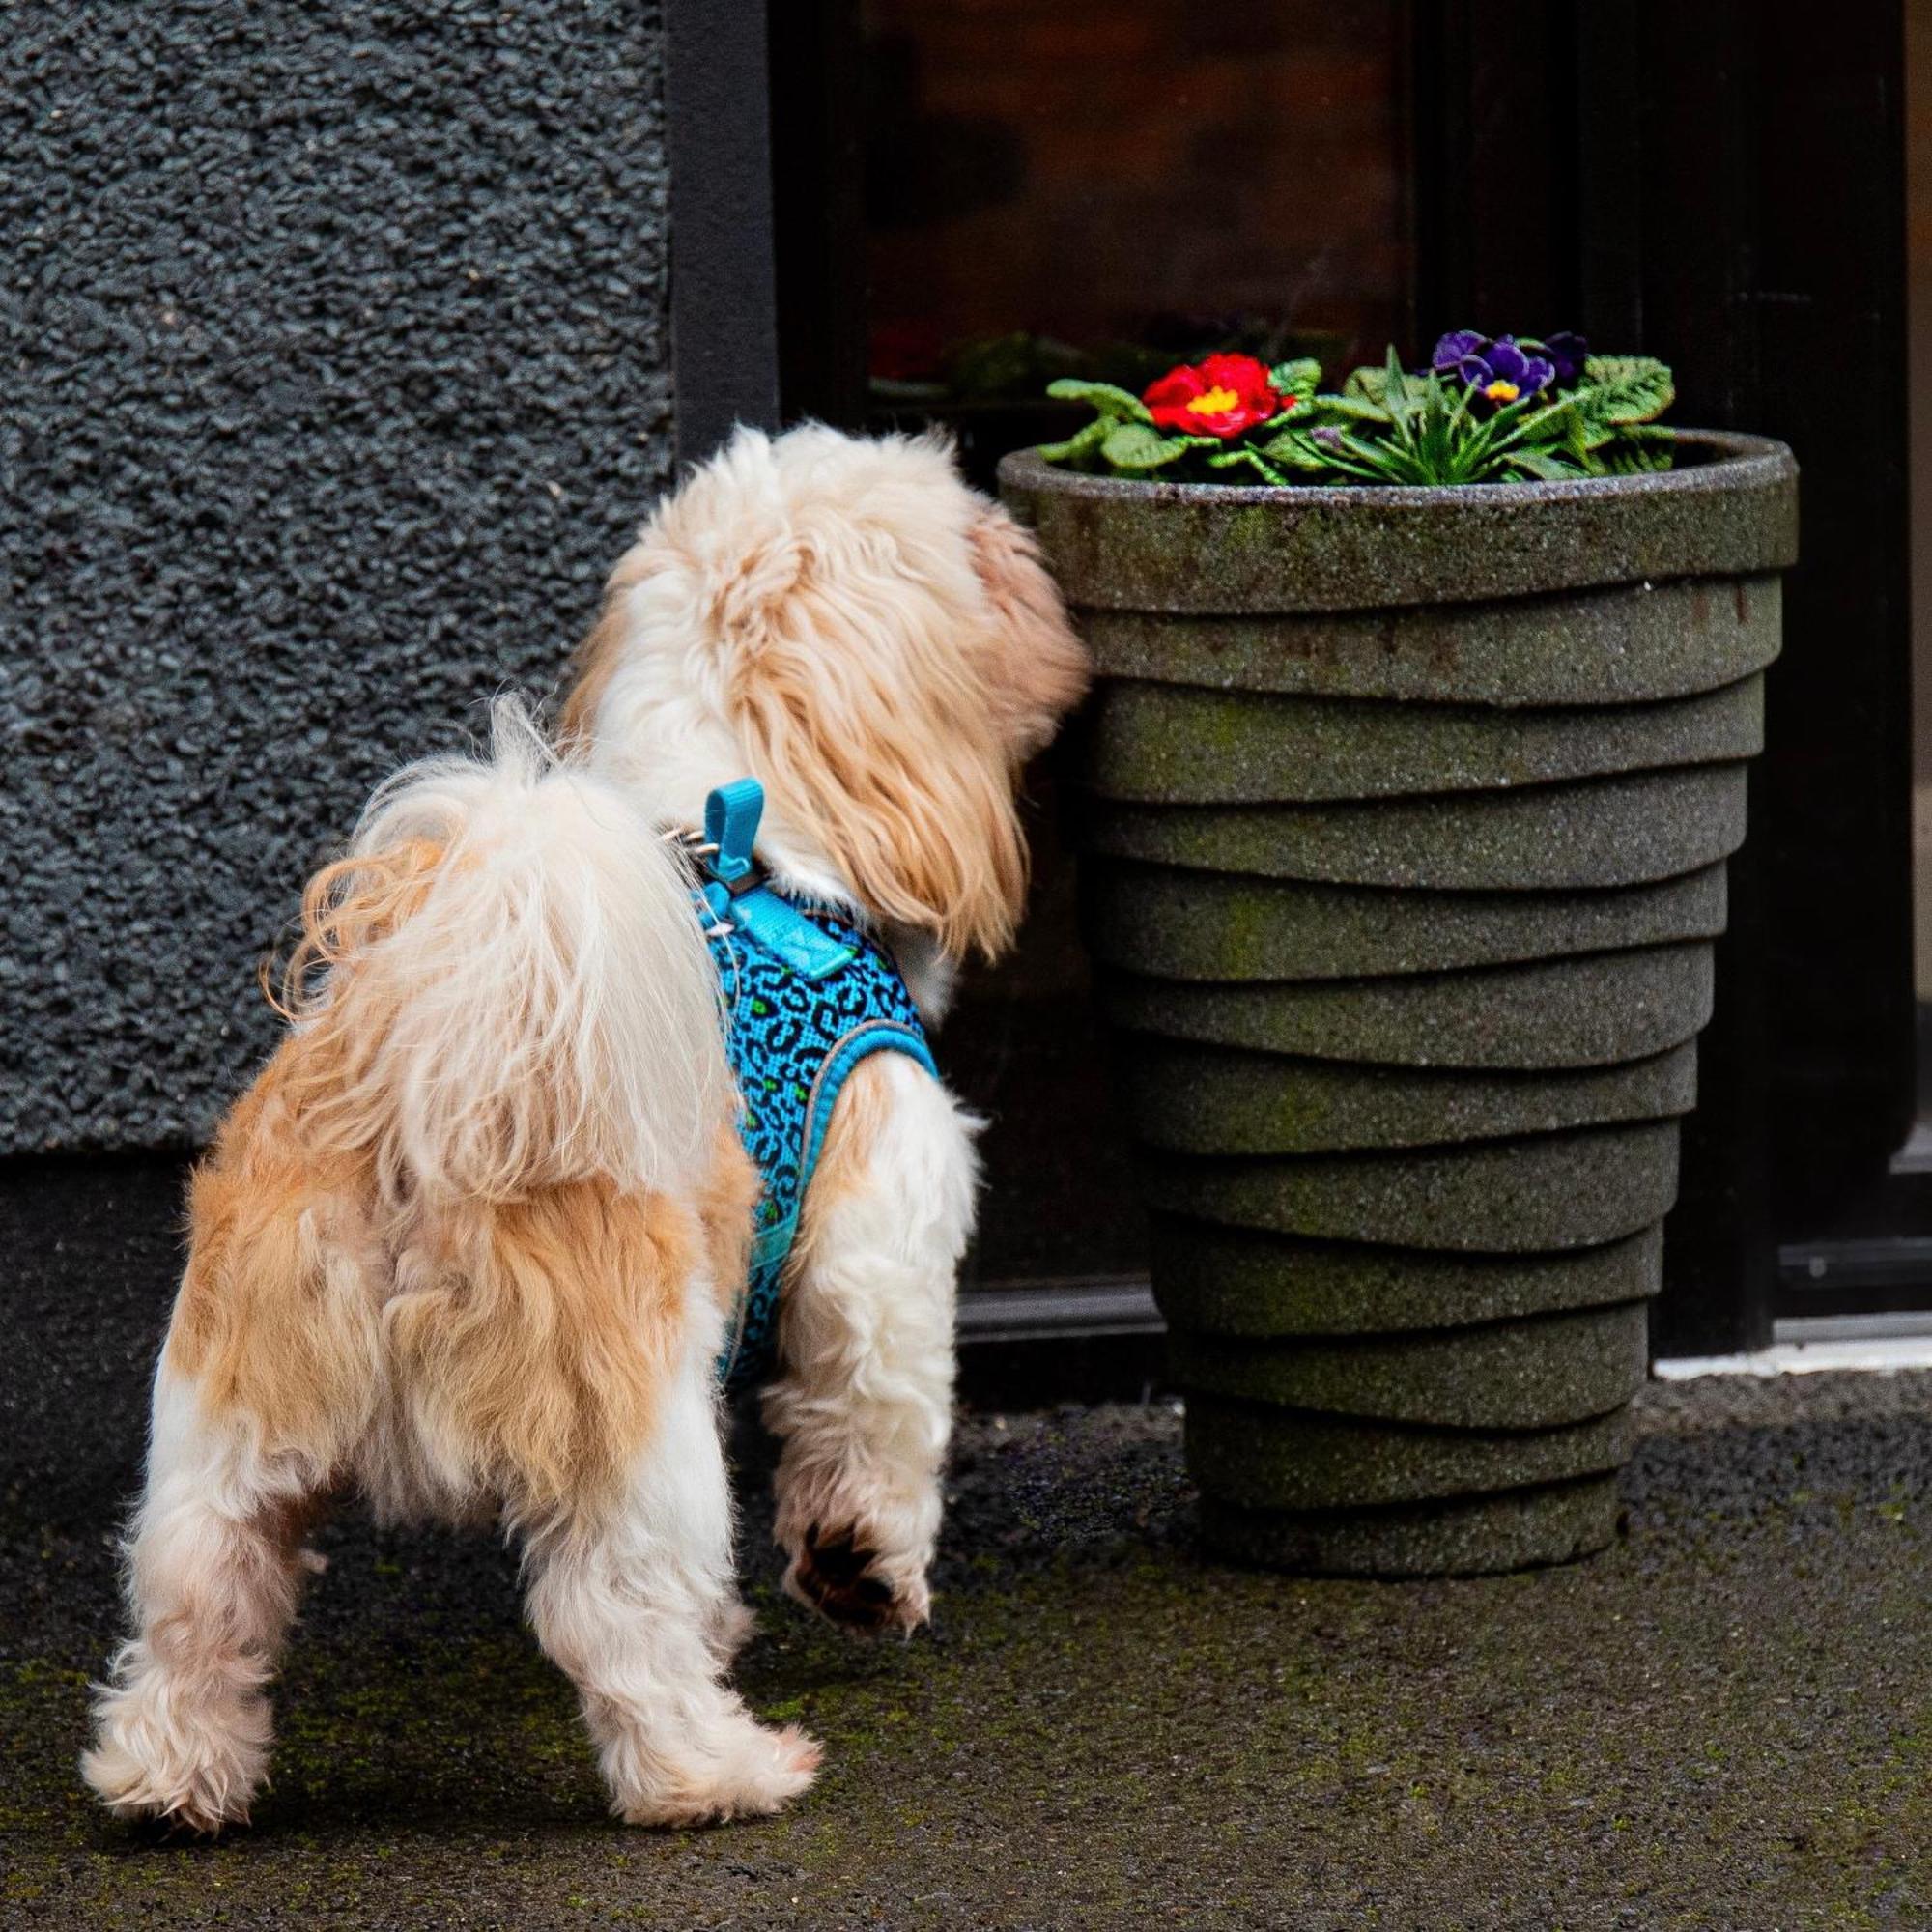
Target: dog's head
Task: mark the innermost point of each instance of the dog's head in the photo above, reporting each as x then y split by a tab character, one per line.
881	644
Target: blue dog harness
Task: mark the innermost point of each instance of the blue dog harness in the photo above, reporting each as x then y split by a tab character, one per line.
807	995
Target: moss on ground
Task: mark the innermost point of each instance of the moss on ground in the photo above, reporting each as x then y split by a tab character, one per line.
1726	1721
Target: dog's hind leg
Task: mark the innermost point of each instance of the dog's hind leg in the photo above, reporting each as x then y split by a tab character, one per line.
864	1403
214	1574
636	1602
263	1386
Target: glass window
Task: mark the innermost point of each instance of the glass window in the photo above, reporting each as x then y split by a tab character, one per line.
1054	190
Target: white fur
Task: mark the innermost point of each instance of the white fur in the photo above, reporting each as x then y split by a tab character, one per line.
744	528
547	1012
554	899
864	1400
663	734
637	1604
184	1727
536	1008
640	1609
865	1405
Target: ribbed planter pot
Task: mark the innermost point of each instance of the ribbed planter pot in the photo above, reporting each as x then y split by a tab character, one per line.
1405	817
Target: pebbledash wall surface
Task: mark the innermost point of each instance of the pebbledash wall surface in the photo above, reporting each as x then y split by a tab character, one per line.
336	374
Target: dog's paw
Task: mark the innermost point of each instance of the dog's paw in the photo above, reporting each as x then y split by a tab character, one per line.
753	1774
842	1577
168	1749
202	1797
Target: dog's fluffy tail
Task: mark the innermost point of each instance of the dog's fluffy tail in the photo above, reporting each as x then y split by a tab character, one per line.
507	985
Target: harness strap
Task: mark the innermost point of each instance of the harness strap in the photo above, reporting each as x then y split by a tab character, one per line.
760	939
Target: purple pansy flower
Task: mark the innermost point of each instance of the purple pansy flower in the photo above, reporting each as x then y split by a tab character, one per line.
1453	347
1480	361
1567	349
1498	372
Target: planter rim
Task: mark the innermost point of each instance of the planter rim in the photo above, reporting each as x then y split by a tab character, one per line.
1210	549
1739	460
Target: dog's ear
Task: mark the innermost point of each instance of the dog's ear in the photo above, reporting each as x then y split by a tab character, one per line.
914	799
1039	669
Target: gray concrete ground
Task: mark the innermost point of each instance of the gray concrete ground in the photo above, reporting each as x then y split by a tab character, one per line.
1726	1720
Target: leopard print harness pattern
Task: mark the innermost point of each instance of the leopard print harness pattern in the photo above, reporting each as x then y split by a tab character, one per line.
808	994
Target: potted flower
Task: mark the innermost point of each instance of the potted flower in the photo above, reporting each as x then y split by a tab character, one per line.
1418	747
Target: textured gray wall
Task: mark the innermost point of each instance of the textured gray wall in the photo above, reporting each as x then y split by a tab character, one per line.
336	373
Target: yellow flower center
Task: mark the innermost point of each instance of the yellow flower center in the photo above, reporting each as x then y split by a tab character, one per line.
1213	403
1500	391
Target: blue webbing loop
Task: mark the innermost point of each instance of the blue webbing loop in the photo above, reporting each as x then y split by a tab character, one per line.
731	814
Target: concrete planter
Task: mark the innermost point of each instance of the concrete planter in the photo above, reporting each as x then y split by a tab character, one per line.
1405	821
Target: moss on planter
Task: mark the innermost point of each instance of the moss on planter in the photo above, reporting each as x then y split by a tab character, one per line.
1190	1098
1492	1197
1407	814
1610	645
1263	1458
1518	1529
1206	926
1251	1283
1590	1012
1730	509
1620	831
1532	1373
1175	744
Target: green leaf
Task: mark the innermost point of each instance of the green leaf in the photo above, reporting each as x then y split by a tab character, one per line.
1344	407
1545	466
1301	377
1385	461
1532	421
1640	451
1623	389
1246	456
1297	448
1396	397
1083	443
1618	461
1118	404
1366	384
1370	383
1136	447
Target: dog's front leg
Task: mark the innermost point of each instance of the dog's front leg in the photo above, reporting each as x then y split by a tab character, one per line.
864	1402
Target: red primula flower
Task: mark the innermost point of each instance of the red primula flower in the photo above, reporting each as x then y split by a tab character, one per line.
1222	396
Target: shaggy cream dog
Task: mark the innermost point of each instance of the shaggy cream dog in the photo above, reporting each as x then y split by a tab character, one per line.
471	1241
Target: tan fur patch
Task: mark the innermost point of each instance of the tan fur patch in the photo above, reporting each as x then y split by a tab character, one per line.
275	1317
1040	669
595	660
887	649
536	1338
916	806
724	1208
529	1341
858	1120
